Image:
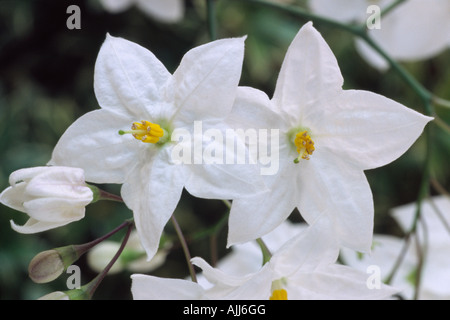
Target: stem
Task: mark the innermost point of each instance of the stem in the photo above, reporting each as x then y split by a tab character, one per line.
104	195
265	251
210	10
82	248
185	248
93	285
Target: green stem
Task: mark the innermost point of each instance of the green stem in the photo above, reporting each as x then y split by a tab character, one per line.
185	248
211	19
265	251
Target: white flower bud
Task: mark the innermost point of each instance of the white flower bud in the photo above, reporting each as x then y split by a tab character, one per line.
51	196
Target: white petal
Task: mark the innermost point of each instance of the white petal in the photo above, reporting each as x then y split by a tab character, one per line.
406	38
253	109
253	217
60	182
56	209
329	186
93	143
34	226
129	79
368	129
145	287
168	11
115	6
152	191
337	282
207	78
253	286
309	74
14	197
310	248
340	10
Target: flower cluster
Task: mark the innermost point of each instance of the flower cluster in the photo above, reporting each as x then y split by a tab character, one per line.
146	137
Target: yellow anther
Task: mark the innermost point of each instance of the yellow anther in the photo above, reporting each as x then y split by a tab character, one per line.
305	146
145	131
279	294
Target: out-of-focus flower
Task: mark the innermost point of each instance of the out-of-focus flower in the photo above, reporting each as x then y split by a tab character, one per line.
133	257
303	268
328	137
168	11
51	196
433	238
415	30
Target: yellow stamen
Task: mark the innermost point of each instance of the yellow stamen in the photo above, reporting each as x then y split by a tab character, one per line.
279	294
145	131
305	146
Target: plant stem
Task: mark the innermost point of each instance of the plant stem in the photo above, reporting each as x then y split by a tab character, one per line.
93	285
185	248
211	19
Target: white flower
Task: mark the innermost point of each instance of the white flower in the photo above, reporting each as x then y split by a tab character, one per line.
415	30
328	137
304	268
135	90
51	196
434	240
169	11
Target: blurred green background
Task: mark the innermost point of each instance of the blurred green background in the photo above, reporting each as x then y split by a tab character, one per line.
46	82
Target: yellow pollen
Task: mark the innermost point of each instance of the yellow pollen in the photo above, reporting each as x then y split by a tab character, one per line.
305	146
279	294
145	131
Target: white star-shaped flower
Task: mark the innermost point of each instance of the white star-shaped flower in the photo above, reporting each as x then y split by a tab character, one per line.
134	137
328	137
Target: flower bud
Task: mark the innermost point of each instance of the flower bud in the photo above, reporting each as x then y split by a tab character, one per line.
50	264
51	196
46	266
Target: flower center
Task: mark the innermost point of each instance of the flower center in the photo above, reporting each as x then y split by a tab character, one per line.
304	144
145	131
278	292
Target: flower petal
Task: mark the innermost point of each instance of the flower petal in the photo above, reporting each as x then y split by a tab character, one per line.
115	6
168	11
405	38
309	74
206	80
14	197
153	191
145	287
337	282
331	190
368	129
129	79
93	143
254	216
35	226
312	247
